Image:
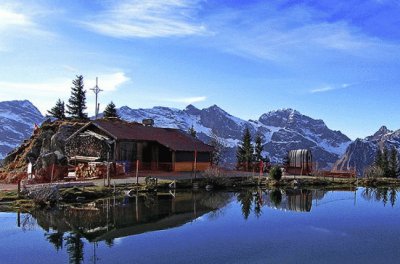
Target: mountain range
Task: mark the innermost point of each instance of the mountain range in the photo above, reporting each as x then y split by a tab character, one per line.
282	130
17	120
361	153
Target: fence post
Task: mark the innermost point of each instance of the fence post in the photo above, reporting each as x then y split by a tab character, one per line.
137	172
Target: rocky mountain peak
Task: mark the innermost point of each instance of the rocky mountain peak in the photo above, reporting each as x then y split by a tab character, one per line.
192	110
382	132
361	153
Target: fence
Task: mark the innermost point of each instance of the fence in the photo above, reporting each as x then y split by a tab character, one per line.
104	170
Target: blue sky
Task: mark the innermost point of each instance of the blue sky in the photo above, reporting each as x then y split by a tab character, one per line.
333	60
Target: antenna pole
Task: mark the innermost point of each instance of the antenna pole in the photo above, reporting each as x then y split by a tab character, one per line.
96	91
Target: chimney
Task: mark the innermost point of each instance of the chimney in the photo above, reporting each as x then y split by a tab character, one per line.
148	122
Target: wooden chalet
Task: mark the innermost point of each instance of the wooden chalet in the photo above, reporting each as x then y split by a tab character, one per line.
161	149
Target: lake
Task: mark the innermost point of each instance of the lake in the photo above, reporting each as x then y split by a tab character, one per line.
250	226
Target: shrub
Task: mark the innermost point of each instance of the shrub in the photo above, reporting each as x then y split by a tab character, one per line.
275	173
374	172
216	177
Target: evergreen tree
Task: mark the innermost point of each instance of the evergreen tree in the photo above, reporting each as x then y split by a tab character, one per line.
244	154
378	159
258	149
77	102
110	111
385	162
58	111
192	132
393	163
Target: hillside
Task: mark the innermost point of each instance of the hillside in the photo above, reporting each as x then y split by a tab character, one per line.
17	120
361	153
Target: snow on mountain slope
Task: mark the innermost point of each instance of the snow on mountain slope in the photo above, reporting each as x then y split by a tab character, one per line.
361	153
282	130
17	119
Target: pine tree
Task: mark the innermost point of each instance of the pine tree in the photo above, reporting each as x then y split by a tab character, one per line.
378	159
385	162
110	111
192	132
244	154
393	163
77	102
58	111
258	149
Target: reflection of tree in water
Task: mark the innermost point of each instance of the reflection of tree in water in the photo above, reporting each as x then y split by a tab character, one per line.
245	198
276	197
109	242
258	203
74	246
380	195
57	239
215	201
28	223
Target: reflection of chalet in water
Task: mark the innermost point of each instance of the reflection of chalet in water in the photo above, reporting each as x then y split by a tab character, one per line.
110	218
155	148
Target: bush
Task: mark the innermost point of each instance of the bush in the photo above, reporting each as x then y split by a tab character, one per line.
216	177
275	173
374	172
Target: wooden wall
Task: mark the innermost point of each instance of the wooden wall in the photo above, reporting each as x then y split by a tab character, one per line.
188	166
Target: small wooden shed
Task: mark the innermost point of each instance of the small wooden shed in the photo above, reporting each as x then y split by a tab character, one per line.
300	162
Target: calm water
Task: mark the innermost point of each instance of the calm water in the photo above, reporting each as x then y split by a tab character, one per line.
286	226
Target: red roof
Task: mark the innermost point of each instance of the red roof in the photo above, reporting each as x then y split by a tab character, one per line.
173	139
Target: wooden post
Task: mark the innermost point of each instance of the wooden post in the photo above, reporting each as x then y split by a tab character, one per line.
19	188
108	173
52	173
195	162
137	172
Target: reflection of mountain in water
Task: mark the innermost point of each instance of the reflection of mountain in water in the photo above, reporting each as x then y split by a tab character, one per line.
294	199
114	218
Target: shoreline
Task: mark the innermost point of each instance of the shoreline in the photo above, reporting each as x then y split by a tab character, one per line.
67	195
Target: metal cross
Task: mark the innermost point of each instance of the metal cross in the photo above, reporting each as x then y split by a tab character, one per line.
96	91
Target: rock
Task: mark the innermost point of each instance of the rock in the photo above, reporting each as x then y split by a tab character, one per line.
59	138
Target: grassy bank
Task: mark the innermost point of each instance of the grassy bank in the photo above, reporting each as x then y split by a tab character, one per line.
12	201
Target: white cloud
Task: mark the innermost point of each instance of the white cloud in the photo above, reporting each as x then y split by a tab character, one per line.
146	19
108	82
329	88
17	21
11	18
265	31
323	89
186	100
45	94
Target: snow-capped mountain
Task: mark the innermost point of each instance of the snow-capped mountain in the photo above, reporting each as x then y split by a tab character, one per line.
282	130
17	120
361	153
